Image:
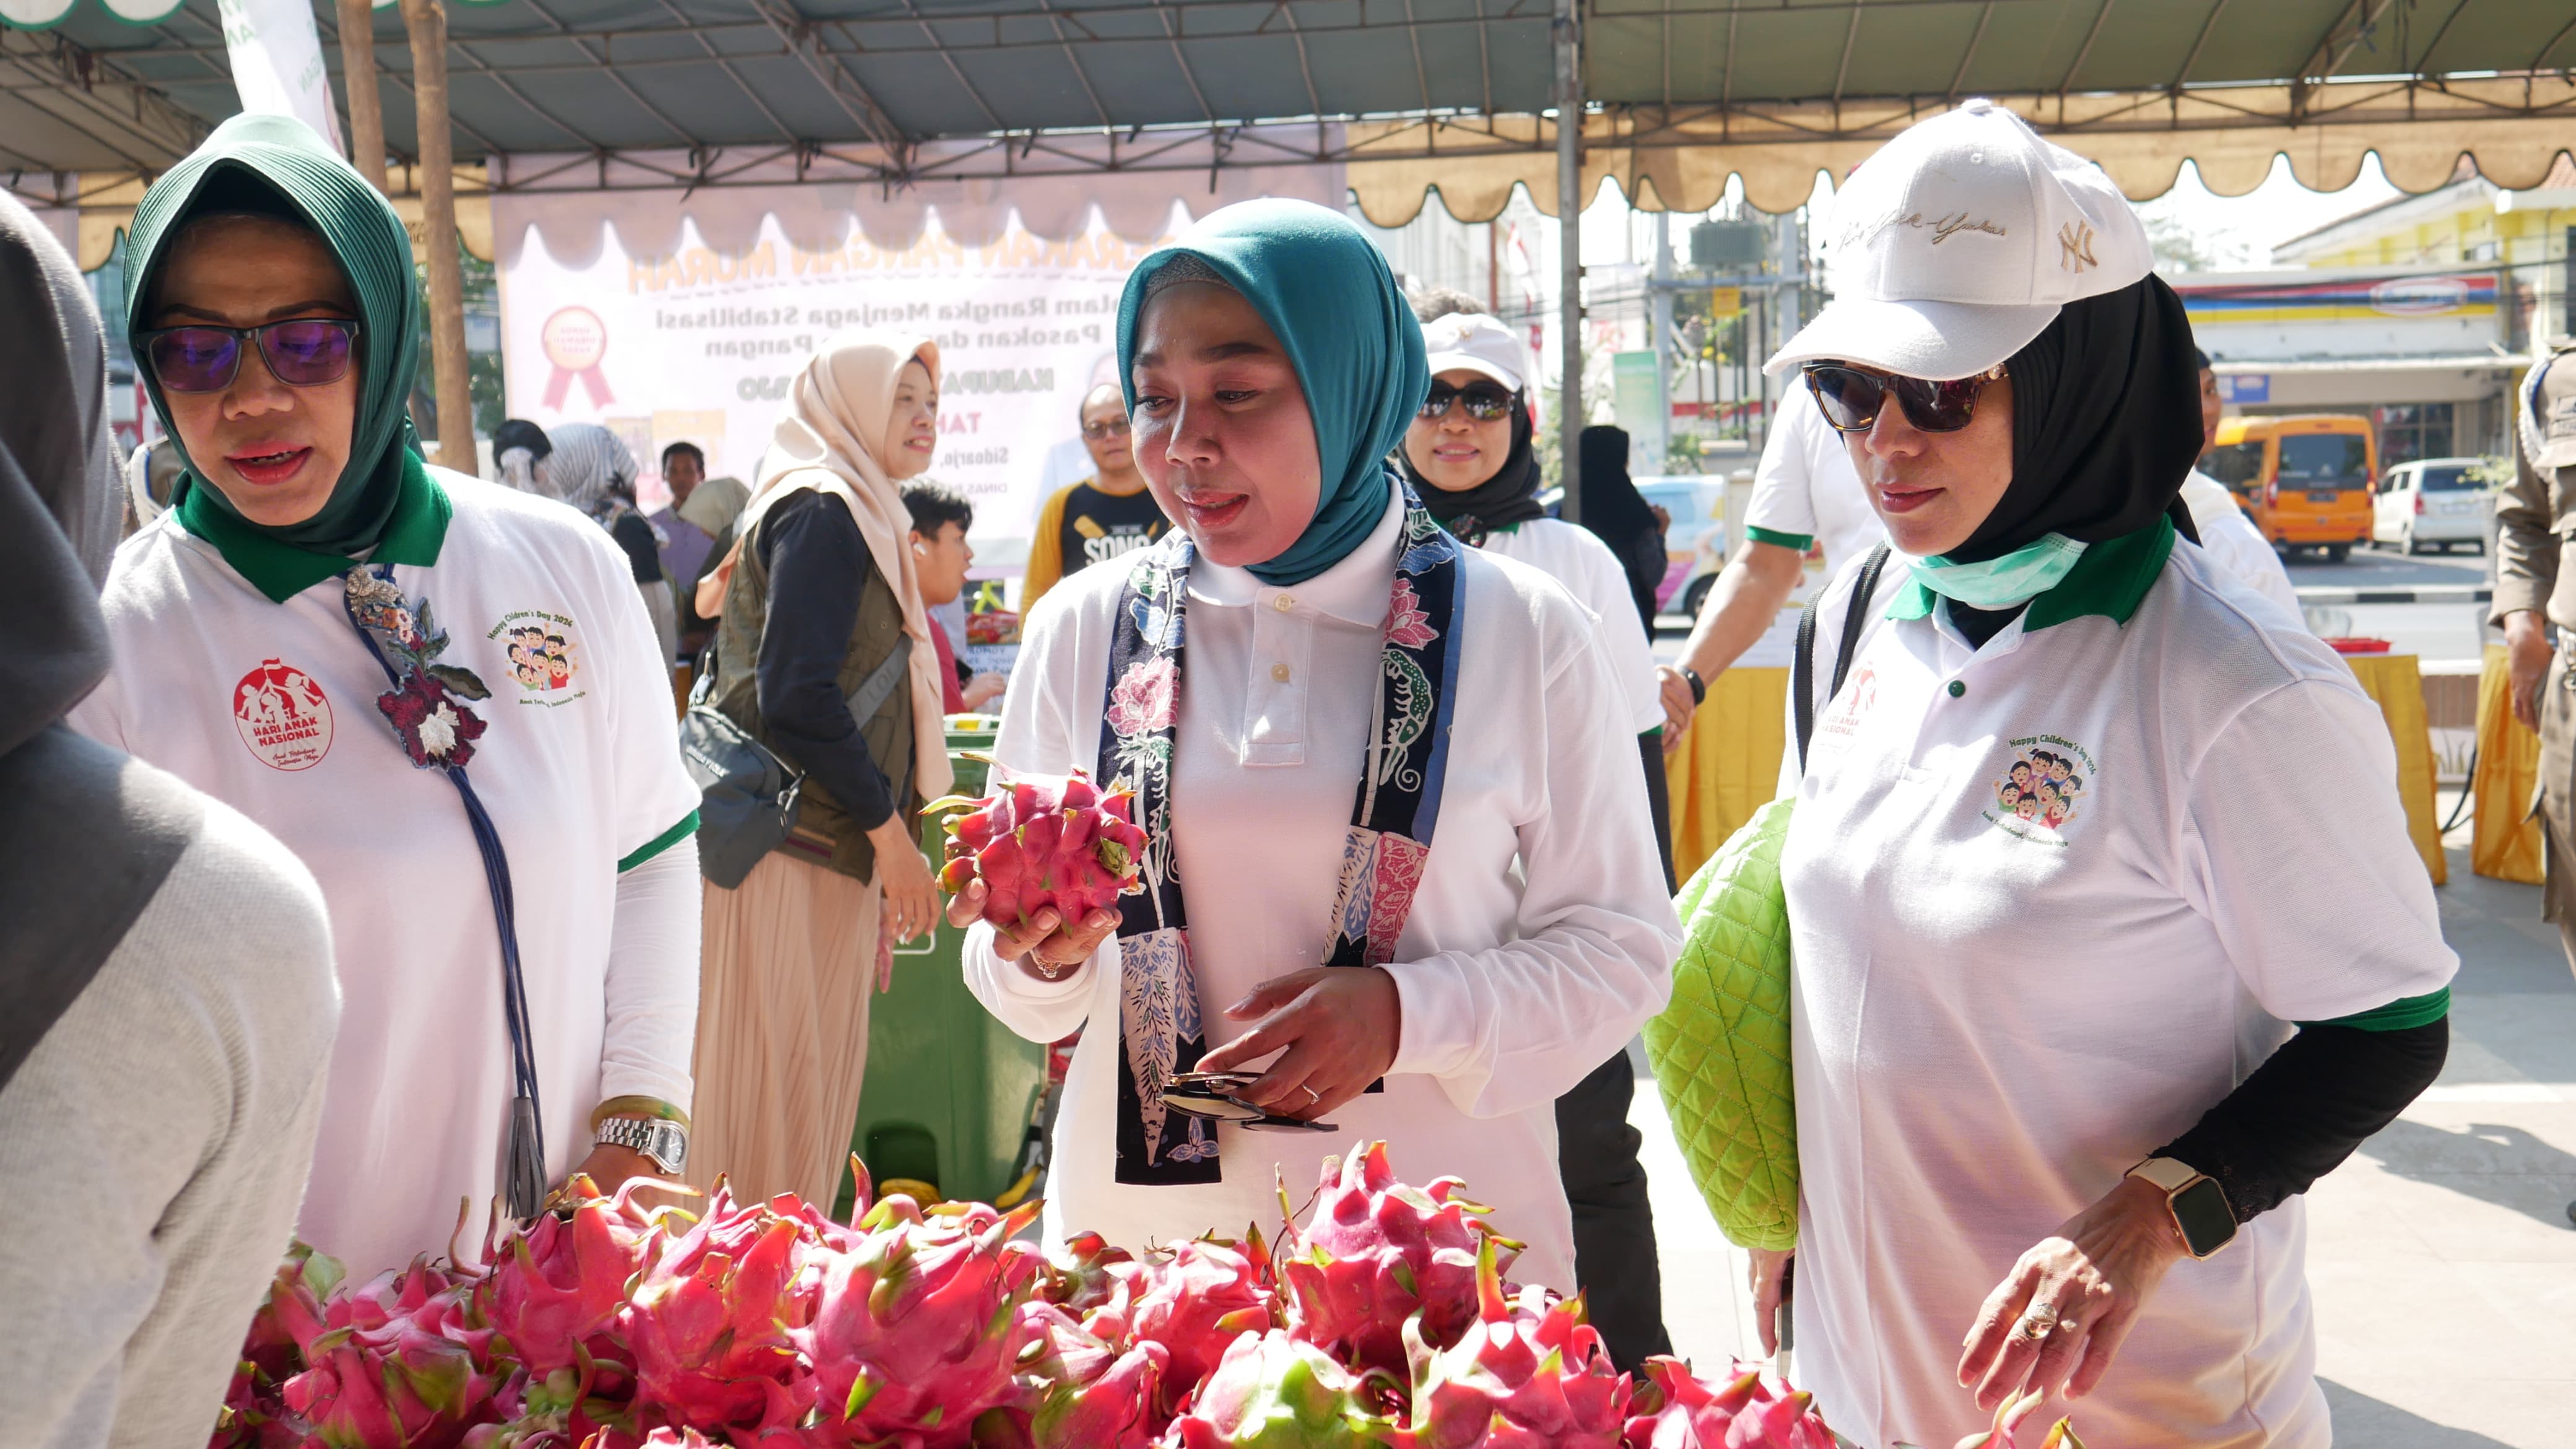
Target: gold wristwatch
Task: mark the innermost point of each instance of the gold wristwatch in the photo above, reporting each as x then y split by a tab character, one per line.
2197	1202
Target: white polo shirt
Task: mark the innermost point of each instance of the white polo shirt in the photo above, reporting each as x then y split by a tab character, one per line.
1577	558
2000	1007
1805	491
271	708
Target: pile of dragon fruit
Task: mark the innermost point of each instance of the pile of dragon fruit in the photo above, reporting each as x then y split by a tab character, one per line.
1383	1321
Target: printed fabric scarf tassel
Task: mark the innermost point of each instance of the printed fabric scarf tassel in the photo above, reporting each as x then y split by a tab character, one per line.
1161	1031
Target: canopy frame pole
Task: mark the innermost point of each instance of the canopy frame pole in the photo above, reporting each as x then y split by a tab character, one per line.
366	100
1566	30
453	388
1659	318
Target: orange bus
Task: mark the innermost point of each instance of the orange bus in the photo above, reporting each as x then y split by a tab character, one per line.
2304	479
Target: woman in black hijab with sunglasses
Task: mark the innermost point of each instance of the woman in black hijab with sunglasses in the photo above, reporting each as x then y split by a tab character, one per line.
2067	1045
1468	456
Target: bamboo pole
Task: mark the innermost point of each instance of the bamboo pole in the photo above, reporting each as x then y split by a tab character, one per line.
426	20
1567	32
358	76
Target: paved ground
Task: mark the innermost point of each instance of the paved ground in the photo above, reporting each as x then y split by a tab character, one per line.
2441	1255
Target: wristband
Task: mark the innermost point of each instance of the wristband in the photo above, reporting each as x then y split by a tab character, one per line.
1698	686
652	1109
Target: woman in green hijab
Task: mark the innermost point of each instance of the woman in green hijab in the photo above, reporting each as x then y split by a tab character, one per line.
1299	683
443	695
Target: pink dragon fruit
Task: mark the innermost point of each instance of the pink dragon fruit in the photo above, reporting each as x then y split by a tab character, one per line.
1114	1409
2009	1418
1374	1253
1749	1409
1272	1391
1041	841
1198	1302
711	1319
254	1415
916	1331
553	1291
1529	1374
401	1363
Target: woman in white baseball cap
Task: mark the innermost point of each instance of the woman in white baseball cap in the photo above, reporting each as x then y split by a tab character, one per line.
1469	458
2067	1044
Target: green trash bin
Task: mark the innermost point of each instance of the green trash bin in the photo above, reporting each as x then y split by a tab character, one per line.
951	1093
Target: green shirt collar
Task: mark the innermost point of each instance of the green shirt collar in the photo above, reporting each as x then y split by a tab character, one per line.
2111	579
281	570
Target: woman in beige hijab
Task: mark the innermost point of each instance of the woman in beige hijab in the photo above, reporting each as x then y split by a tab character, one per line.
822	653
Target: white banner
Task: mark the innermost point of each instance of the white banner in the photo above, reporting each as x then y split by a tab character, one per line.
277	63
702	346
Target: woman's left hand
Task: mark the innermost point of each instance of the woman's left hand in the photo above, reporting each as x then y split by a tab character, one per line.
1339	1026
2091	1279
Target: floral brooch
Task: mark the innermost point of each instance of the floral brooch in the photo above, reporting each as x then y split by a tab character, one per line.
427	705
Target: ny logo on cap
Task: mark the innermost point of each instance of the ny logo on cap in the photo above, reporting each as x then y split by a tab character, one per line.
2075	247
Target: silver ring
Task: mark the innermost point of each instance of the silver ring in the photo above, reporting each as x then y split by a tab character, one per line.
2038	1321
1312	1096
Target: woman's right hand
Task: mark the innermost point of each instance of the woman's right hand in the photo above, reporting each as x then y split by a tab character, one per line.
1768	1274
1045	947
911	891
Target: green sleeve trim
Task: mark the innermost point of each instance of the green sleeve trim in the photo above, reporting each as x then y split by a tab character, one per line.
2404	1014
659	843
1795	542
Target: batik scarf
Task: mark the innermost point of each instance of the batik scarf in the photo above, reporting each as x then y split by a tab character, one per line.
1161	1030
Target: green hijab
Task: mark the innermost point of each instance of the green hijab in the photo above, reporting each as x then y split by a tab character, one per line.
278	166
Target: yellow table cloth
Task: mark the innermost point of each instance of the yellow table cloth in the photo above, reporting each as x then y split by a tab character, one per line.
2506	842
1728	764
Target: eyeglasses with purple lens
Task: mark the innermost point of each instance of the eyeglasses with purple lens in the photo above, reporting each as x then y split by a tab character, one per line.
1851	398
300	352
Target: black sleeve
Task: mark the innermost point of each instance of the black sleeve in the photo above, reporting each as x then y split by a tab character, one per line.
635	536
2303	1111
1650	748
818	565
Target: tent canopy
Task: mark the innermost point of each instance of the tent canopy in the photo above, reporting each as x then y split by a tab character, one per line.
867	88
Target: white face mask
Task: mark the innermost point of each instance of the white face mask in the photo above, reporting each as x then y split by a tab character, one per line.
1999	583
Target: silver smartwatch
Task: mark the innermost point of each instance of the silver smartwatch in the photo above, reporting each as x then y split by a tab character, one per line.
667	1143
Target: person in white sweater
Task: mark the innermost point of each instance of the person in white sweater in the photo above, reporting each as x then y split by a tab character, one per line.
2229	537
1306	628
166	993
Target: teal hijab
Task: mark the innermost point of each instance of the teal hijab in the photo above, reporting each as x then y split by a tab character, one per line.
277	166
1327	294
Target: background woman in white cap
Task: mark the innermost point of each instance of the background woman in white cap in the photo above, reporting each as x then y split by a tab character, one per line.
2043	1067
1469	459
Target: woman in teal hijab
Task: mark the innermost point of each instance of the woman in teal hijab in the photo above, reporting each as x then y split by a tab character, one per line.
444	696
1301	685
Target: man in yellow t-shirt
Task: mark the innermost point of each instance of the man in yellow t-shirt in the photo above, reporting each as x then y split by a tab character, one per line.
1102	517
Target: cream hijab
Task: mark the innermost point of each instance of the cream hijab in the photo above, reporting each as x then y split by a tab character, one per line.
836	419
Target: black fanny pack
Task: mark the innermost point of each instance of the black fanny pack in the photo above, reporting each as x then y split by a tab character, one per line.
747	794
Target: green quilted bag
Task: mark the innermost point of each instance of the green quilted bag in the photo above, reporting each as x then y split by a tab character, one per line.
1721	1046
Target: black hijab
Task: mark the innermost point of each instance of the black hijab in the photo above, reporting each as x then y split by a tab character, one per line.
2106	424
1509	497
1612	506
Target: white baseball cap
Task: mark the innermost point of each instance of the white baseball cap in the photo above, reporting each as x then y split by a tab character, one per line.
1957	242
1476	343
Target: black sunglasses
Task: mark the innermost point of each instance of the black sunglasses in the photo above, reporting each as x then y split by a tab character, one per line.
300	352
1212	1095
1484	401
1851	398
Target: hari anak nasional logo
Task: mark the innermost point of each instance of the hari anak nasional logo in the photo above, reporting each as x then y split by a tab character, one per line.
2042	791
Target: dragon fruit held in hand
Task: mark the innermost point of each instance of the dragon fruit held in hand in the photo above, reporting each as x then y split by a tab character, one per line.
1375	1252
1752	1410
1041	841
1529	1372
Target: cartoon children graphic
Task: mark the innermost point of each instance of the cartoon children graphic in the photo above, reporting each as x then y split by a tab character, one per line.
527	656
558	662
2039	786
